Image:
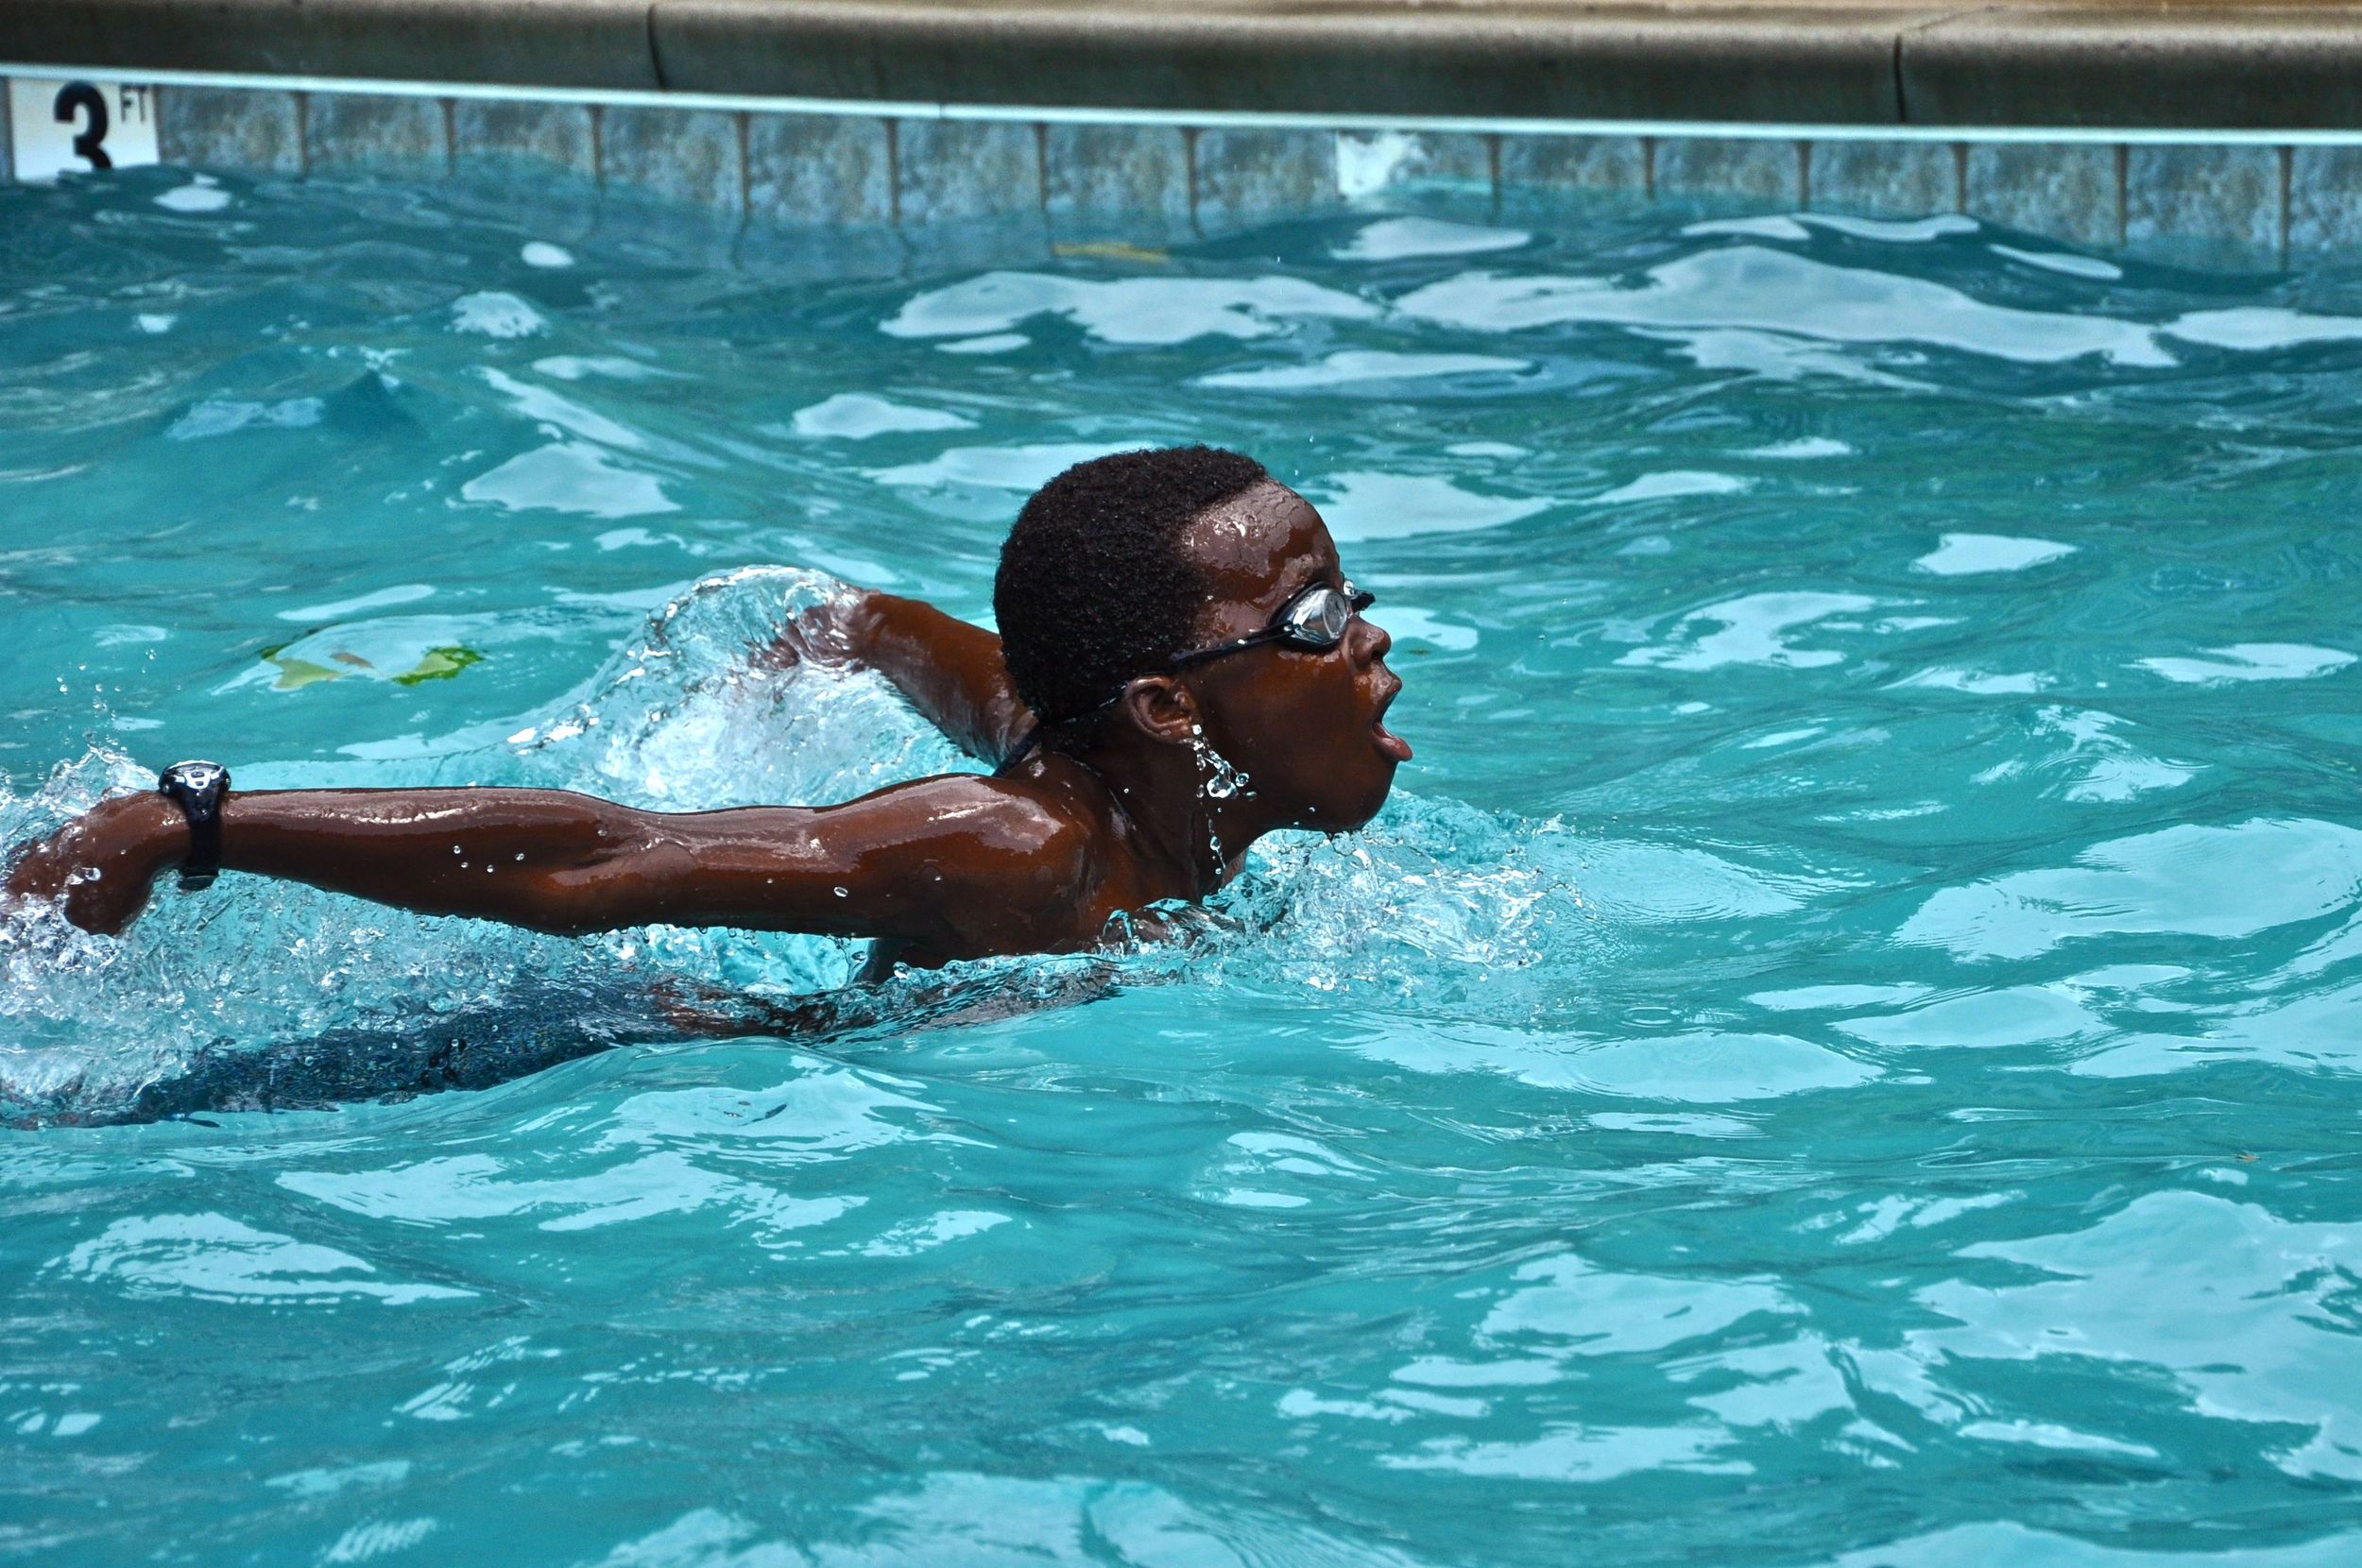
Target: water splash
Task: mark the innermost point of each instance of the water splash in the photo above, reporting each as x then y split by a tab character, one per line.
262	994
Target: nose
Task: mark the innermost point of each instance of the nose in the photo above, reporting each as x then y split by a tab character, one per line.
1375	642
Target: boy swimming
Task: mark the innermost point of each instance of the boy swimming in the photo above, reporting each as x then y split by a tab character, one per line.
1181	668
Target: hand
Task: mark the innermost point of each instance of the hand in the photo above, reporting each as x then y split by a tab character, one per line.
830	635
101	865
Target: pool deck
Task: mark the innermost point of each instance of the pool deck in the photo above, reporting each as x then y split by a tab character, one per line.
2224	65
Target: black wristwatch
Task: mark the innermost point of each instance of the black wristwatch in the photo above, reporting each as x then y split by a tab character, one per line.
198	789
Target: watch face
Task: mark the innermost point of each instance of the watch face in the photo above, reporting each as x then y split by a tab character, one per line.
199	777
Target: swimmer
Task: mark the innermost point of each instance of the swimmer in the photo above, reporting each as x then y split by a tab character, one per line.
1182	667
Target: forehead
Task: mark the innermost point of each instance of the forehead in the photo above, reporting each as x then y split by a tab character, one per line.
1261	544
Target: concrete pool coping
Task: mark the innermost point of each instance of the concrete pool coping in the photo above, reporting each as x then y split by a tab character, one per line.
2219	66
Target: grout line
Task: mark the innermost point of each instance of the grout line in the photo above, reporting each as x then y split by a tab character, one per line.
2287	162
745	174
598	147
1960	176
1804	176
2124	196
1189	148
1647	167
894	173
304	135
1492	171
450	138
1041	167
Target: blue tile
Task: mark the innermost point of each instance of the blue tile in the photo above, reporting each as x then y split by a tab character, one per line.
210	127
366	133
2203	205
2063	190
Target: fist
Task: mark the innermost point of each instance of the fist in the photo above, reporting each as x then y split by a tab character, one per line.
100	866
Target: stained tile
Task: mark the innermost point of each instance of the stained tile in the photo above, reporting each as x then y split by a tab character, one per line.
531	139
685	157
254	132
819	168
958	169
2203	205
1120	183
367	133
1896	179
1716	166
1574	163
2324	198
2063	190
1245	176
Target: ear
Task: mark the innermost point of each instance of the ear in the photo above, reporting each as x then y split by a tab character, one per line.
1160	707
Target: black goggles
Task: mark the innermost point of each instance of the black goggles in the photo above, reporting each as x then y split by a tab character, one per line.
1314	622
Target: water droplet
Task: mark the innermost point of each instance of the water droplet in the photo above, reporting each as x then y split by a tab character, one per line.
842	893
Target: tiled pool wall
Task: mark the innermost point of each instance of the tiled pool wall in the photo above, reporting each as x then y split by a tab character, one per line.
2222	203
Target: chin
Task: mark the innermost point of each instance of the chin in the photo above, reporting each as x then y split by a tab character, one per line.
1352	815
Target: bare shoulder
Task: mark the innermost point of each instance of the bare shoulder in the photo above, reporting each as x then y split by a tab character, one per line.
995	825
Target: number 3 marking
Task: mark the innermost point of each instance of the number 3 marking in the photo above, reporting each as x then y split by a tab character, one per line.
82	96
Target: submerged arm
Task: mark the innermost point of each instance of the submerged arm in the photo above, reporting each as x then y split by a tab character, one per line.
949	670
946	863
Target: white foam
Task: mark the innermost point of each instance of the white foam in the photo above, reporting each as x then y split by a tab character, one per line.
1025	467
991	342
1966	554
2064	261
1363	506
1350	366
1895	231
407	593
2226	883
542	404
570	476
1399	239
1811	446
1140	311
2257	327
221	416
1769	227
155	323
542	253
1752	630
1750	287
1972	683
1674	481
858	416
493	313
200	195
613	367
2250	661
212	1257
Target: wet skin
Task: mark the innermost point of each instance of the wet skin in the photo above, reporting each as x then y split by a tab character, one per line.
1039	859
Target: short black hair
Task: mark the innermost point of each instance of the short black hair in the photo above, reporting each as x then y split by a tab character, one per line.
1093	590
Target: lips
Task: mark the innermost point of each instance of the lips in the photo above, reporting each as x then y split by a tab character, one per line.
1389	744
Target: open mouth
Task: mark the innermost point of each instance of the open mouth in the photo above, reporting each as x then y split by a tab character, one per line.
1389	743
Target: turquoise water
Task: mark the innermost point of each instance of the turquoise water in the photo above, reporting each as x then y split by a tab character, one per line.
1842	1048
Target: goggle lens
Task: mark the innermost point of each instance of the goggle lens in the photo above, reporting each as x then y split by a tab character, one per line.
1320	618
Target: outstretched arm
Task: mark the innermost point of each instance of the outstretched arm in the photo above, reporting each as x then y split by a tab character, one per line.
955	865
950	671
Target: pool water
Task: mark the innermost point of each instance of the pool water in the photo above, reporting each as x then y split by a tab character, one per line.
1844	1048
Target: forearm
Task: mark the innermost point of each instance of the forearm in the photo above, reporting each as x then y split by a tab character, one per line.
526	856
951	670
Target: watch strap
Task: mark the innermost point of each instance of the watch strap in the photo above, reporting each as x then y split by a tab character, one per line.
198	789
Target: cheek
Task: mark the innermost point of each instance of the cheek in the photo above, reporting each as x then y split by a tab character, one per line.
1316	746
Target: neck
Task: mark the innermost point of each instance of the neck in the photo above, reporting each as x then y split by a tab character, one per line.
1187	841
